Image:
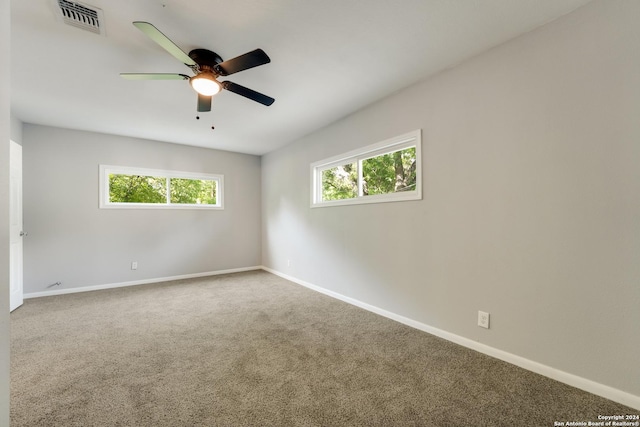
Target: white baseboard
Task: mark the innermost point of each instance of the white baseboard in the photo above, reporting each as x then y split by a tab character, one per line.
593	387
136	282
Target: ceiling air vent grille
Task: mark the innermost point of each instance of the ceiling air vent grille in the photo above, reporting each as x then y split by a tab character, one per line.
82	16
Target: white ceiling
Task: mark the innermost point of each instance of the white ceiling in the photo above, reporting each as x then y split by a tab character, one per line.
329	58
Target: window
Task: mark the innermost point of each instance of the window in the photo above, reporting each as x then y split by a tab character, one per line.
126	187
384	172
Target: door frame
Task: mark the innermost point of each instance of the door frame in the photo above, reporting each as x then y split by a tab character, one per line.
16	232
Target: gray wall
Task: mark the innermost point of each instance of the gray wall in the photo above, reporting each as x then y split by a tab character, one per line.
5	125
72	241
531	200
16	130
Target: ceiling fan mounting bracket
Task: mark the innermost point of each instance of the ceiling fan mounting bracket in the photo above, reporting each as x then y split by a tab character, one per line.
205	57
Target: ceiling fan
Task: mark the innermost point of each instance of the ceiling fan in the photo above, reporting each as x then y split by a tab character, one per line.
207	67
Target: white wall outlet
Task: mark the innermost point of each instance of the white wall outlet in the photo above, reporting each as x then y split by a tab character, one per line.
134	265
483	319
288	263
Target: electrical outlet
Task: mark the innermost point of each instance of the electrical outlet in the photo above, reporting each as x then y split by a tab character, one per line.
288	263
134	265
483	319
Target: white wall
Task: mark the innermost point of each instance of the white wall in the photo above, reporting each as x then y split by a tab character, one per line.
5	125
531	208
74	242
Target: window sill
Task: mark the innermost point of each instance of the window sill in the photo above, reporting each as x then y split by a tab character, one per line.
382	198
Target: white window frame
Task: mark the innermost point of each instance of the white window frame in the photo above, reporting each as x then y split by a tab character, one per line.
408	140
106	170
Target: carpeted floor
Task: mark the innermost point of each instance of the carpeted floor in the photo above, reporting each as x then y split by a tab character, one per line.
252	349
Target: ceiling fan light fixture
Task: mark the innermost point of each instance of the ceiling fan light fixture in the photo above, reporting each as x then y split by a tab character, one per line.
205	84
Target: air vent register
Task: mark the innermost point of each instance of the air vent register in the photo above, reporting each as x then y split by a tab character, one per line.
82	16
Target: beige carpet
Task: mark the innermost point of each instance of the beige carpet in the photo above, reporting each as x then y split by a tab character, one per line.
252	349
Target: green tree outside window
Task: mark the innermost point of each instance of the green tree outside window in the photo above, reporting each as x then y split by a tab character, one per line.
137	189
151	189
387	173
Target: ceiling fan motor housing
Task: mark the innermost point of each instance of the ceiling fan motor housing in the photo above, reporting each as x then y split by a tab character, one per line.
205	57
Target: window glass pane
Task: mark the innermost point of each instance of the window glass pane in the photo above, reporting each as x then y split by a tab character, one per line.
389	173
340	182
193	191
137	189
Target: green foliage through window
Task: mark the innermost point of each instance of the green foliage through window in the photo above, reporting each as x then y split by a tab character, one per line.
383	174
389	173
193	191
340	182
137	189
124	185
